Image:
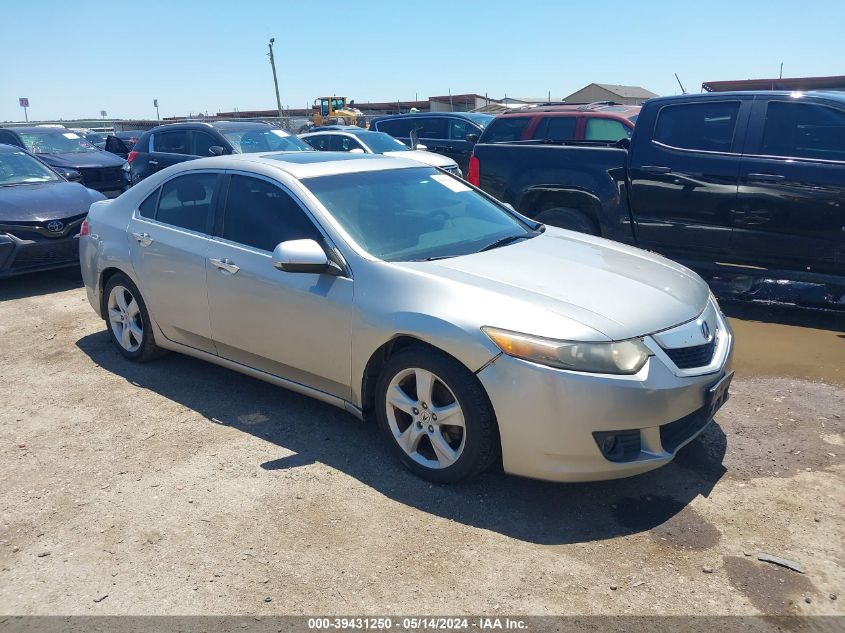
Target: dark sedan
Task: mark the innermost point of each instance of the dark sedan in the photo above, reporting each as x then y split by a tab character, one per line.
65	150
40	214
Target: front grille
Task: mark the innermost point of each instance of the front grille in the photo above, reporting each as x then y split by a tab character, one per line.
36	230
47	254
675	433
689	357
98	176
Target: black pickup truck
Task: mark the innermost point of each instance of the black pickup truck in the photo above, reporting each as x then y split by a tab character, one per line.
746	188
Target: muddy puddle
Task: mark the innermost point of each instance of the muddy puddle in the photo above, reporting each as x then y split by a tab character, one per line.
788	342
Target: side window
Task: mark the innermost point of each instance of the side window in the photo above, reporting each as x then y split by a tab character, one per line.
344	143
433	128
705	126
506	129
557	128
804	130
320	142
260	214
459	129
147	208
203	142
186	201
605	130
173	142
8	139
400	128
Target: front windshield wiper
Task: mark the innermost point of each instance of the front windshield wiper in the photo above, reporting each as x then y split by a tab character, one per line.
510	239
433	258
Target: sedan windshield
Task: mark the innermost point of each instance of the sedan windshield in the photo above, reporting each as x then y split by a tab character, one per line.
18	168
264	139
415	214
379	142
56	142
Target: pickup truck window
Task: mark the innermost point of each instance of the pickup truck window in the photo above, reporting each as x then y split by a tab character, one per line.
506	129
707	127
605	130
557	128
804	130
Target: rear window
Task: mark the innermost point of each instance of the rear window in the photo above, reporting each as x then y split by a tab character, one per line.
605	130
506	129
557	128
172	142
705	127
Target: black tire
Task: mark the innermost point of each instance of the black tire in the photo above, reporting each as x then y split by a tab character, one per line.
572	219
481	440
148	349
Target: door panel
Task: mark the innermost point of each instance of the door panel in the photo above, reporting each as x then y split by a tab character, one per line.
170	260
684	181
293	325
791	211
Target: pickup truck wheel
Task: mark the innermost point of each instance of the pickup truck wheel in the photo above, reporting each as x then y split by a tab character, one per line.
571	219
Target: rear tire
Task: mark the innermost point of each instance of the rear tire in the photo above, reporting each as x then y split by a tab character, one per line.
572	219
436	416
128	321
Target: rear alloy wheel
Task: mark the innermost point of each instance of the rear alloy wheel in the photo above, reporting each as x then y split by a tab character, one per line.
128	321
436	416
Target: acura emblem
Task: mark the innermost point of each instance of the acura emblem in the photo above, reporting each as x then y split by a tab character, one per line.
705	330
55	226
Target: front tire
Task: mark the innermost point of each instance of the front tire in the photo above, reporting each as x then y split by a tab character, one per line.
436	416
128	321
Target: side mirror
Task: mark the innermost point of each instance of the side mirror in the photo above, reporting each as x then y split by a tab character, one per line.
216	150
71	174
471	138
303	256
357	150
420	146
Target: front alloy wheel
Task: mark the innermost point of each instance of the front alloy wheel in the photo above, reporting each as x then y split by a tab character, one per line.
436	415
425	418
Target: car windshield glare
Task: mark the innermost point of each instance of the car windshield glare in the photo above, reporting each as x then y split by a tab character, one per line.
18	168
264	139
415	213
57	143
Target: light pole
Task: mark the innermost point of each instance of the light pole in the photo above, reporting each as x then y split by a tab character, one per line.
155	104
275	80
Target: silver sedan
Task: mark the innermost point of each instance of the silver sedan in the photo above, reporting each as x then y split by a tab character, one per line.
399	292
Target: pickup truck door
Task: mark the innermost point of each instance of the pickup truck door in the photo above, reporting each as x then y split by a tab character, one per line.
791	211
684	176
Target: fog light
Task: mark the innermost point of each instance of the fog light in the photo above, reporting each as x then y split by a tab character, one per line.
618	446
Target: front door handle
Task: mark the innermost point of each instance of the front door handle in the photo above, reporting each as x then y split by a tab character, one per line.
766	177
143	239
153	162
656	169
225	265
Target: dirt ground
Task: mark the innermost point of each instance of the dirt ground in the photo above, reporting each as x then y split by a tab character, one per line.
177	487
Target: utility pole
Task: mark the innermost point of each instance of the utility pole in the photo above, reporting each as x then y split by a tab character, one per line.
683	90
155	104
781	71
275	80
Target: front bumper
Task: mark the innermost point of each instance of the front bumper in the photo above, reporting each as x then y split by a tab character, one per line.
549	418
21	255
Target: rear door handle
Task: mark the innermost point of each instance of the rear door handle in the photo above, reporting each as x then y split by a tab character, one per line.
656	169
766	177
143	239
152	162
225	265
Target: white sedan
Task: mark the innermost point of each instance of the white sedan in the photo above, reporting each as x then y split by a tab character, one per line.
361	141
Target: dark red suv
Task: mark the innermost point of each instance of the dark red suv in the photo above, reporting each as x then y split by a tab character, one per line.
588	122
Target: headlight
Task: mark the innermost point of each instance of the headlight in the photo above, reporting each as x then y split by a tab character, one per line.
715	303
620	357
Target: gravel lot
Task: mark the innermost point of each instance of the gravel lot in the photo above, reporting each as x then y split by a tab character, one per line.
178	487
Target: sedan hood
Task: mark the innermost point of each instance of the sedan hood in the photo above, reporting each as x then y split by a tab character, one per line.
429	158
82	159
46	201
616	290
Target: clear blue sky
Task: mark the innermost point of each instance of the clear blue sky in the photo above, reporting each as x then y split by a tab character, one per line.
73	59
